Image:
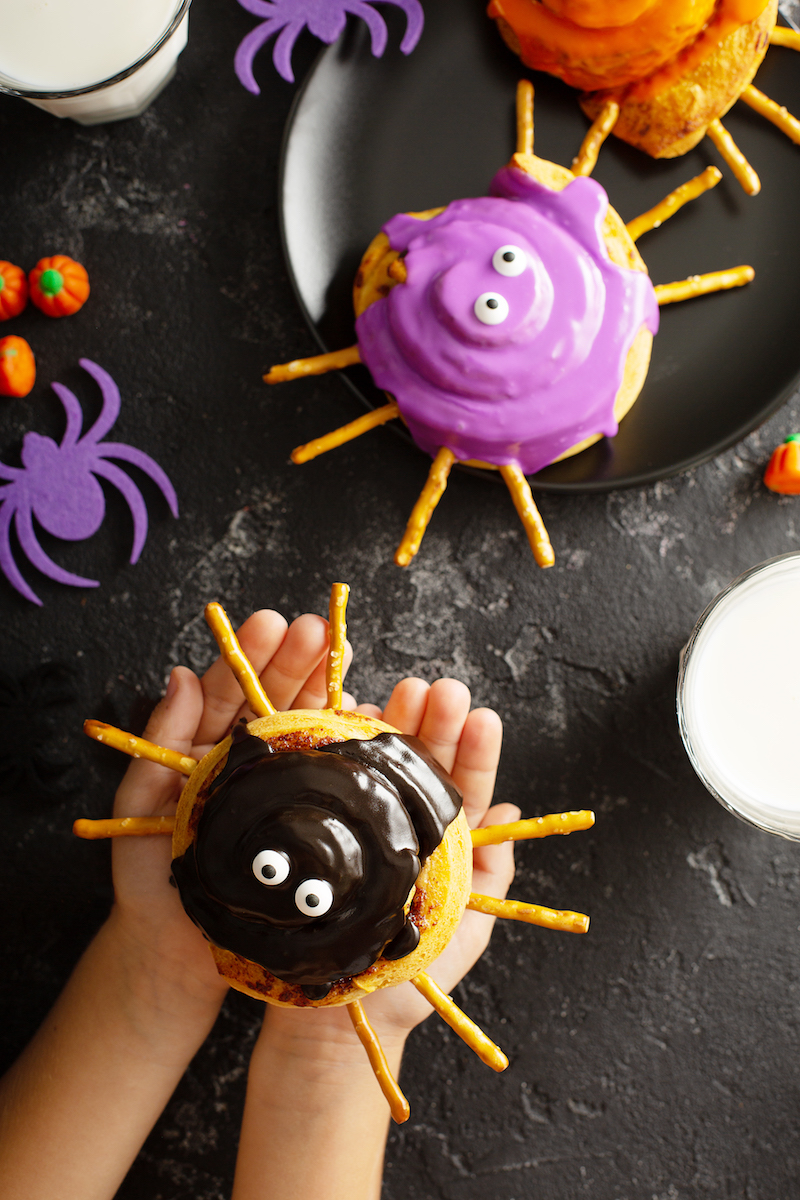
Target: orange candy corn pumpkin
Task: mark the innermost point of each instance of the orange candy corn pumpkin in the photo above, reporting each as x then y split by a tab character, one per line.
17	366
59	286
13	290
783	473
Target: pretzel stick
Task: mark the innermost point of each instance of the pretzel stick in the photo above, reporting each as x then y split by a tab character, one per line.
524	117
586	159
122	827
654	217
422	511
346	433
536	827
785	37
398	1104
317	365
397	270
533	914
776	113
139	747
700	285
525	505
734	157
466	1029
234	656
334	670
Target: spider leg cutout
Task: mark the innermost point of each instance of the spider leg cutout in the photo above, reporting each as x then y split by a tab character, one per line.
325	19
538	827
56	485
513	476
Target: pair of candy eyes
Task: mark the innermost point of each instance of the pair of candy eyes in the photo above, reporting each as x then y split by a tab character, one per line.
491	308
313	897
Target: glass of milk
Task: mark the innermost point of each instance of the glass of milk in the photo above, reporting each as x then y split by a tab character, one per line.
739	696
92	60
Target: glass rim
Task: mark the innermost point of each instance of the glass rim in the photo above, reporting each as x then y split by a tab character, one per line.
66	93
763	823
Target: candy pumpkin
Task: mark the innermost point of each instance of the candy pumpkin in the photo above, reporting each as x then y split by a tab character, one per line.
17	366
783	472
13	291
59	286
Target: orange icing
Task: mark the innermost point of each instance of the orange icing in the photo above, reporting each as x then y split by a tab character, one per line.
730	15
564	37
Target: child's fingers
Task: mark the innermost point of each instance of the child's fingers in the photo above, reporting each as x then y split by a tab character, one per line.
493	866
302	650
445	714
260	637
148	788
370	710
492	876
476	762
406	706
313	693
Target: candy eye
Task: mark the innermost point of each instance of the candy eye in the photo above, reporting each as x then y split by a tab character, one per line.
314	897
271	867
509	260
491	308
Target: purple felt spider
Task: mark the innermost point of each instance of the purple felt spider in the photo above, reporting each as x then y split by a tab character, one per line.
56	485
325	19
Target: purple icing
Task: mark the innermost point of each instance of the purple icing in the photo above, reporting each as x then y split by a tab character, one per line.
56	485
525	390
325	19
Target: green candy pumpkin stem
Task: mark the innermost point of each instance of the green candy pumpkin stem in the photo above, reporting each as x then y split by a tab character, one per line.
51	282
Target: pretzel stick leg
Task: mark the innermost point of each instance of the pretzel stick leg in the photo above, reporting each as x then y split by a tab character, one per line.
700	285
654	217
466	1029
345	433
122	827
533	914
524	117
139	747
734	157
536	827
398	1104
586	159
319	364
422	511
776	113
525	505
781	36
334	670
234	656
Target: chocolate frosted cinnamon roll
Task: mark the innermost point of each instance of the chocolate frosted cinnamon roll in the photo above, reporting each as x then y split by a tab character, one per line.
304	860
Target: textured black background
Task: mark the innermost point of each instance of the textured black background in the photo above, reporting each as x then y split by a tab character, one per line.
653	1059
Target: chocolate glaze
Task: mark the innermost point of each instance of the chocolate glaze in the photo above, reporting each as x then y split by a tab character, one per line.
359	815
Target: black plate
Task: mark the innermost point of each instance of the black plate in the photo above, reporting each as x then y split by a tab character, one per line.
371	137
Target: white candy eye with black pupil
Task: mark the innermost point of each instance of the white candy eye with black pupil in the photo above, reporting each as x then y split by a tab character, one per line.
509	260
271	867
314	897
491	308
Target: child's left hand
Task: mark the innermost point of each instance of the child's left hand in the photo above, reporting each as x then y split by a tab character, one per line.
169	956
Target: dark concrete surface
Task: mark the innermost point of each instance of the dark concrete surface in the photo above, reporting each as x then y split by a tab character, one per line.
655	1058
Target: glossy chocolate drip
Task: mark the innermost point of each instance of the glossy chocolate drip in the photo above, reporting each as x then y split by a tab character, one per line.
357	816
428	793
403	942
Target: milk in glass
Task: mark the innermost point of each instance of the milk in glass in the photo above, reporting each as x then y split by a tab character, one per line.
739	696
52	47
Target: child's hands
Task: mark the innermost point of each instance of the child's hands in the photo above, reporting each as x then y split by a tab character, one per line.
169	955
